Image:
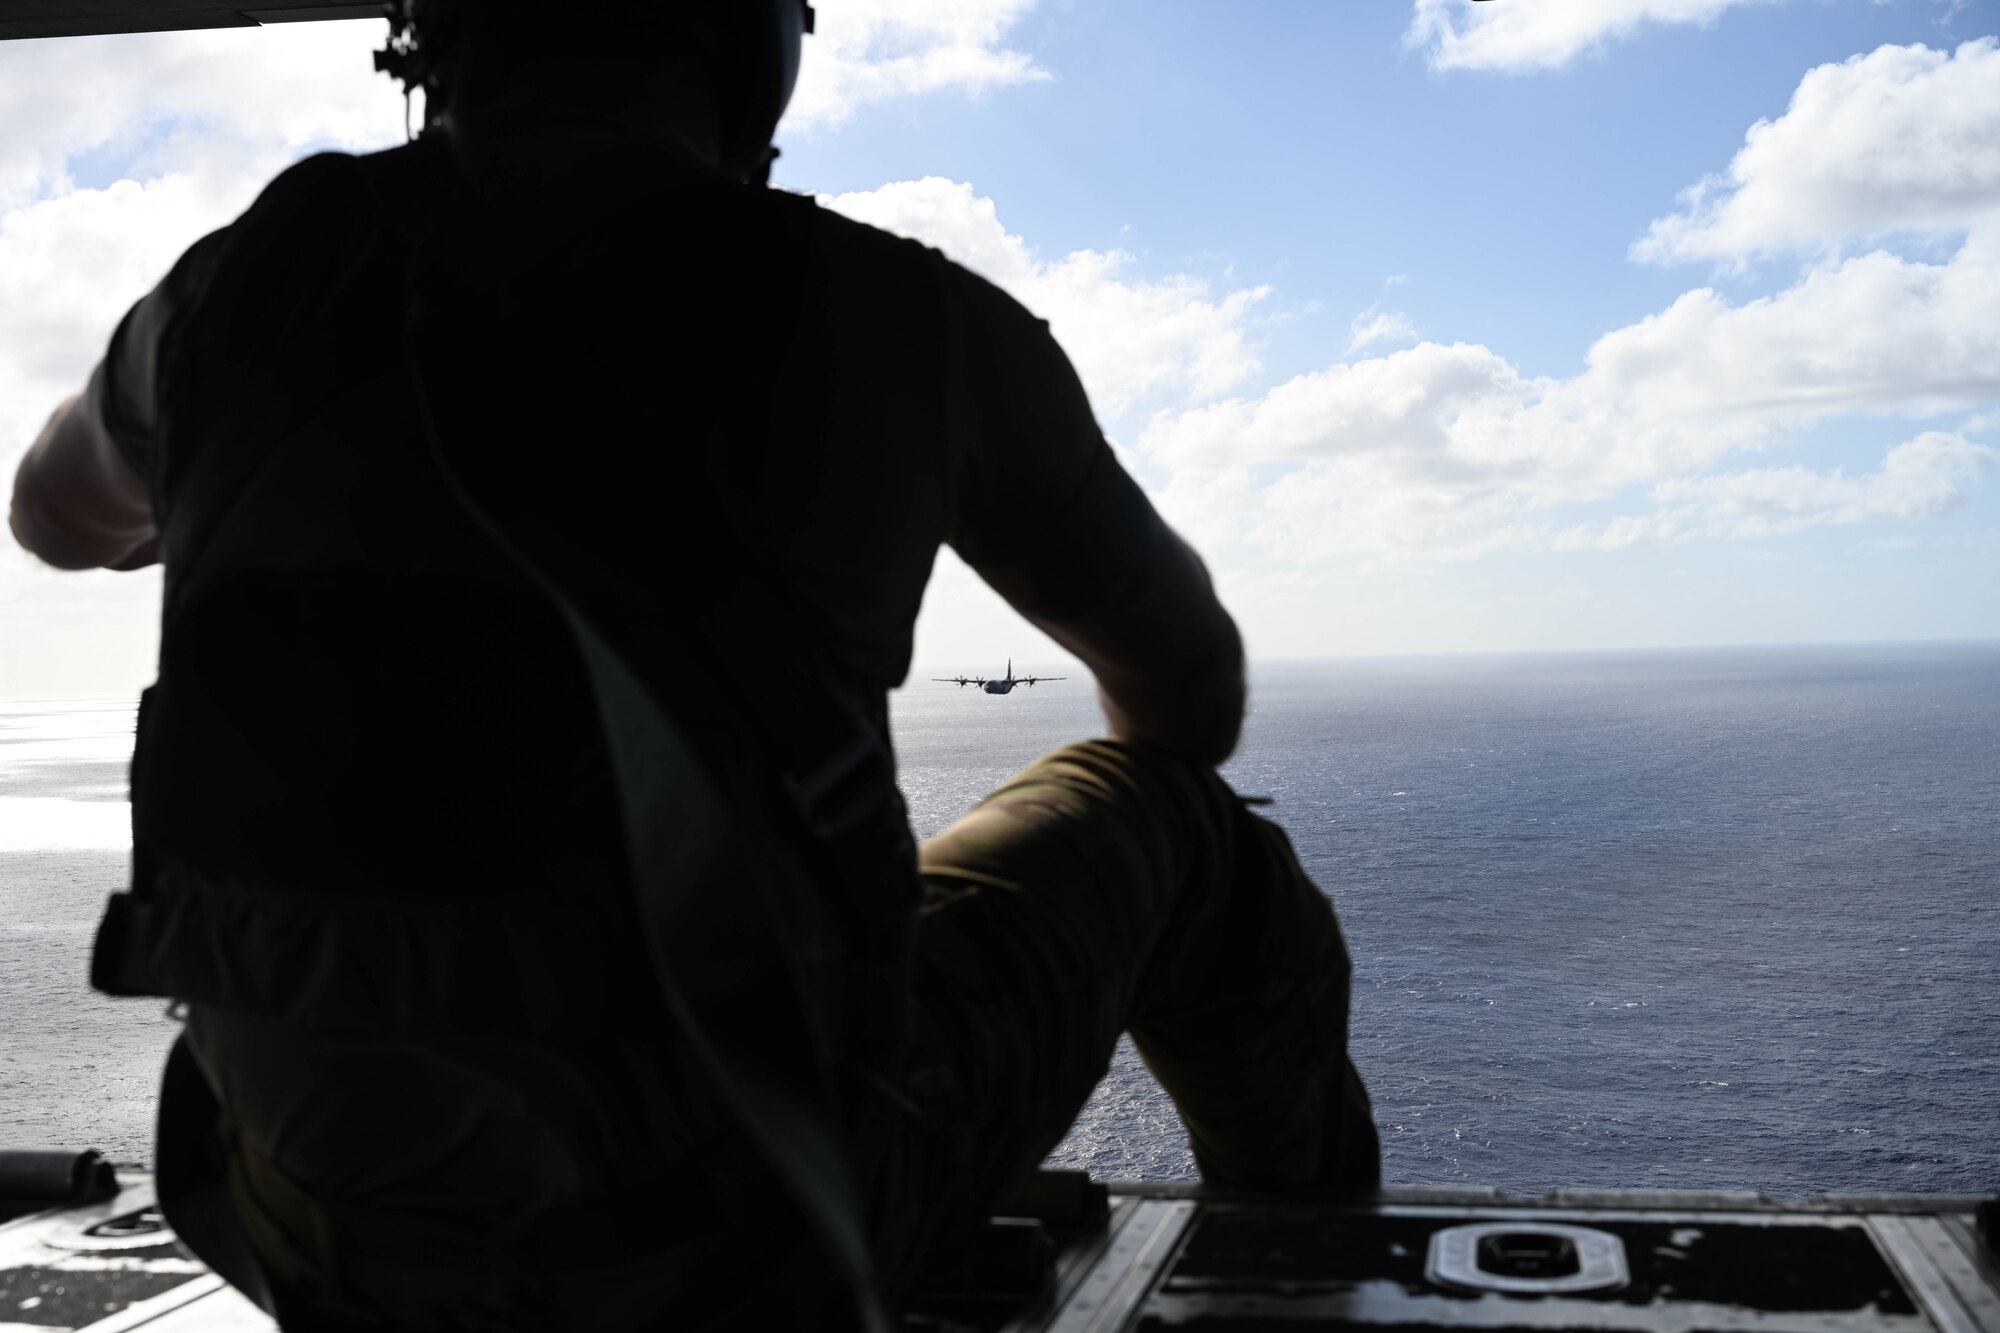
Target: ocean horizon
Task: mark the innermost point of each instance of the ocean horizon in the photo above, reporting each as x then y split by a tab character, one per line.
1695	918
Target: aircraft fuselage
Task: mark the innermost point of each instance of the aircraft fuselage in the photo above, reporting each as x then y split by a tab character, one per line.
998	686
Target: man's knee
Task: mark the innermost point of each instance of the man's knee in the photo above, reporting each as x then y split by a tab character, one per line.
1101	807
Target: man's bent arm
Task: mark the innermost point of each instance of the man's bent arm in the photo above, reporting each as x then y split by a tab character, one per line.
78	504
1168	662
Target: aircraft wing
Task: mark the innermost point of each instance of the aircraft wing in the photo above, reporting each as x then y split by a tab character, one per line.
91	18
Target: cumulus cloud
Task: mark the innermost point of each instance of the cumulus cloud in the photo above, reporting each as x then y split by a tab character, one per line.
1924	477
1876	334
1132	338
1408	404
1928	476
1448	450
1375	325
1390	504
166	98
1901	139
1548	34
69	267
871	50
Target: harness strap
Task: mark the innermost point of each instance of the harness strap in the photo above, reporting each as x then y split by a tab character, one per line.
757	956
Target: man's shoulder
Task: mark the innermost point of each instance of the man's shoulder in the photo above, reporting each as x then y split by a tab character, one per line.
865	244
330	200
856	241
316	178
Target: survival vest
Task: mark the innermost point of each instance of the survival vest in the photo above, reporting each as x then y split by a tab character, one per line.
456	575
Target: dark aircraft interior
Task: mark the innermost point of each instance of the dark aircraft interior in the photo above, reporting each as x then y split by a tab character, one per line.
90	18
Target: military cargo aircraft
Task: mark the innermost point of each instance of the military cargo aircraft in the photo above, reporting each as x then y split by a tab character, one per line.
998	684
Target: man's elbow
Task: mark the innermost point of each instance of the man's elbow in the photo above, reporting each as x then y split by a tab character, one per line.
1189	702
41	534
1222	699
76	503
59	536
1209	740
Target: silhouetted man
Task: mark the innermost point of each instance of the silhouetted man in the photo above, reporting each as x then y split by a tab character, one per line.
545	508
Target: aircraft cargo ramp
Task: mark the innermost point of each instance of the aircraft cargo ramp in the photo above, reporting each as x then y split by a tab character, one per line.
1137	1258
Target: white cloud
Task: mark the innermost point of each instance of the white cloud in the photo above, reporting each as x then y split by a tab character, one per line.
1408	405
1210	506
1391	504
1544	34
1902	139
1133	339
1926	477
69	267
1873	334
180	96
1375	325
1385	504
1449	451
871	50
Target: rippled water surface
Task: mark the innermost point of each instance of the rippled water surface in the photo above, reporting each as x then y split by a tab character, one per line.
1719	919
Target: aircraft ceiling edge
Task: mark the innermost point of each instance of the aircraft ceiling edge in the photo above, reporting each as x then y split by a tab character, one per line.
21	19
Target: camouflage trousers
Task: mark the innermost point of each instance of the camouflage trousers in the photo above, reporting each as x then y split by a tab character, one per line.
1106	888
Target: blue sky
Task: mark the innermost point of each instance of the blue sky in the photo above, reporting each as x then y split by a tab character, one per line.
1363	292
1305	146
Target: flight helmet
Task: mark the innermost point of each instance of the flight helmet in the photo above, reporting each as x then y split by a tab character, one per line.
746	51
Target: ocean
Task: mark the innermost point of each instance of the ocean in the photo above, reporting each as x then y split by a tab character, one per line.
1718	919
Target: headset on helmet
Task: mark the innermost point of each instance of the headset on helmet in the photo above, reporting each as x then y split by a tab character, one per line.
759	51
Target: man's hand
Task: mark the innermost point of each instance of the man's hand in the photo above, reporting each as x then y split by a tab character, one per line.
77	503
